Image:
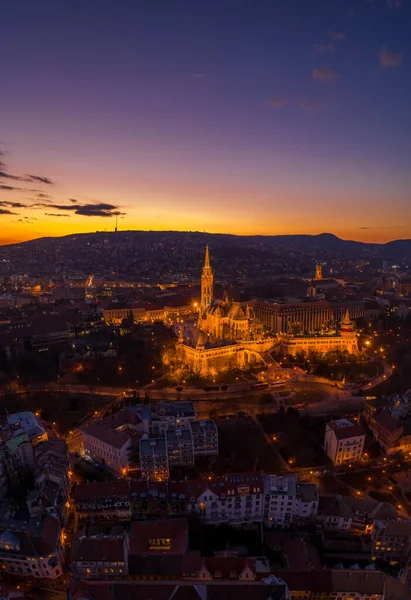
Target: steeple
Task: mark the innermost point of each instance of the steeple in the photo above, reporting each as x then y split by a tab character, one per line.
207	281
207	257
346	323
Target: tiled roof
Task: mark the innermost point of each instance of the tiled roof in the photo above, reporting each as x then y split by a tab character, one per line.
342	433
98	549
174	529
101	489
107	435
331	580
222	485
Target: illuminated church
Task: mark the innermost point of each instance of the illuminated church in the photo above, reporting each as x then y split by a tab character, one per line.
225	319
228	335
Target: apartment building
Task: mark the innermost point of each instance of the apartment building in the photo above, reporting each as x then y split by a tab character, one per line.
180	447
344	441
32	549
154	459
17	455
334	514
158	547
205	438
100	555
228	499
28	423
166	416
286	502
103	500
335	584
391	541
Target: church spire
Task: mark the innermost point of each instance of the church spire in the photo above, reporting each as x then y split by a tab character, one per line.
207	257
207	281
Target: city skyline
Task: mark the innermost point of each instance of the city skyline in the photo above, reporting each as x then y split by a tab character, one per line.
265	119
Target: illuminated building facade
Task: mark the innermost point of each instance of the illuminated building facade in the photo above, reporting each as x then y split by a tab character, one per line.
343	339
229	336
304	316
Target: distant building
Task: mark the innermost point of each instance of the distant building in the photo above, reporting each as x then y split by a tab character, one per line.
28	423
390	422
231	499
166	416
100	555
228	334
180	449
391	541
312	316
205	438
344	442
17	456
334	514
32	549
154	459
318	272
114	441
285	501
106	499
157	547
341	584
342	339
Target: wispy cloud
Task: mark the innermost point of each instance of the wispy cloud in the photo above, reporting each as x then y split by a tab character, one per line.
390	59
394	3
26	178
39	179
55	215
197	75
12	204
6	211
336	36
73	200
42	196
99	209
323	48
9	188
324	74
276	102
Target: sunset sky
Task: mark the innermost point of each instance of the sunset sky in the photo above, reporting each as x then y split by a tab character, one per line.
237	116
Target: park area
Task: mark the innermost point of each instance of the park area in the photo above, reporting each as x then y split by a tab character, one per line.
299	439
243	447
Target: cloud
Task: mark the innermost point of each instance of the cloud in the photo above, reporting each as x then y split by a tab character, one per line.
73	200
275	102
12	204
9	188
324	74
44	196
389	59
6	211
312	105
26	178
394	3
100	209
27	220
336	36
323	48
55	215
38	179
197	76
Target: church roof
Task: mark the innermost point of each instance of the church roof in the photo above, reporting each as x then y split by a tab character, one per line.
236	312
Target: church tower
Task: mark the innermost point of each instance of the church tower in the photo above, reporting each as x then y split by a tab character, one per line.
206	284
318	272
